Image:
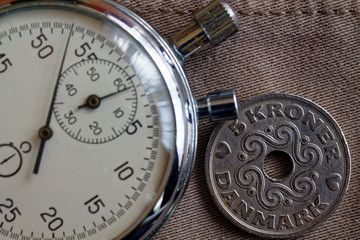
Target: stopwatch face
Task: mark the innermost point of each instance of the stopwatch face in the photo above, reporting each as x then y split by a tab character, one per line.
108	145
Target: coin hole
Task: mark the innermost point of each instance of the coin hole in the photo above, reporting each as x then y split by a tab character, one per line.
278	165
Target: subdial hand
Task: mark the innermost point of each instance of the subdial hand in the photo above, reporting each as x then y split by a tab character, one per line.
94	101
7	159
45	132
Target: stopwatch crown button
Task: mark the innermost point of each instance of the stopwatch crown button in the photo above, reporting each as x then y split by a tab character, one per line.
213	24
218	21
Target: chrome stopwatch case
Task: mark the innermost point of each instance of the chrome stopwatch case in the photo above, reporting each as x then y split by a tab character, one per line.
98	123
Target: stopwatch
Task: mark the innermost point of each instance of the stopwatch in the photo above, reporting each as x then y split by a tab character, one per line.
98	123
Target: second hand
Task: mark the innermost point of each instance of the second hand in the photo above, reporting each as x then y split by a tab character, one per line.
45	132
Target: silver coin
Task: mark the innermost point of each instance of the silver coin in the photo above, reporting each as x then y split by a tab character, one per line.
248	193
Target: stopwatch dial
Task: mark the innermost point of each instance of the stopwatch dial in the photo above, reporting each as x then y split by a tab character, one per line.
96	101
106	104
10	160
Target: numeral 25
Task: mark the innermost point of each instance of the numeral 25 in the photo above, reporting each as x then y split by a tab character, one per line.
5	63
13	211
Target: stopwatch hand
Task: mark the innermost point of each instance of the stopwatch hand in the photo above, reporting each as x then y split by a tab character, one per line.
7	159
94	101
45	132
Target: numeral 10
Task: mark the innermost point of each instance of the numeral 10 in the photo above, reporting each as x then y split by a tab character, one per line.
124	171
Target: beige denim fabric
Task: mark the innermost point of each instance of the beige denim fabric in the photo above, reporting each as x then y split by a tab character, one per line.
301	47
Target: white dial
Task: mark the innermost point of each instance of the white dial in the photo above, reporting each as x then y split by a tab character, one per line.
82	81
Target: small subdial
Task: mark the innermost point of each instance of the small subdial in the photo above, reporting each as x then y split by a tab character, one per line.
10	160
96	101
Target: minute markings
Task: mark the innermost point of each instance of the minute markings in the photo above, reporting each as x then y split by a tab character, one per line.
75	72
99	130
77	136
111	68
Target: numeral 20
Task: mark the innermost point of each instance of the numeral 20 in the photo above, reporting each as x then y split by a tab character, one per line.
94	127
54	222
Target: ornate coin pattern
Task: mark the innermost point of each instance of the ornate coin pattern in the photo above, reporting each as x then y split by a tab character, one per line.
288	206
